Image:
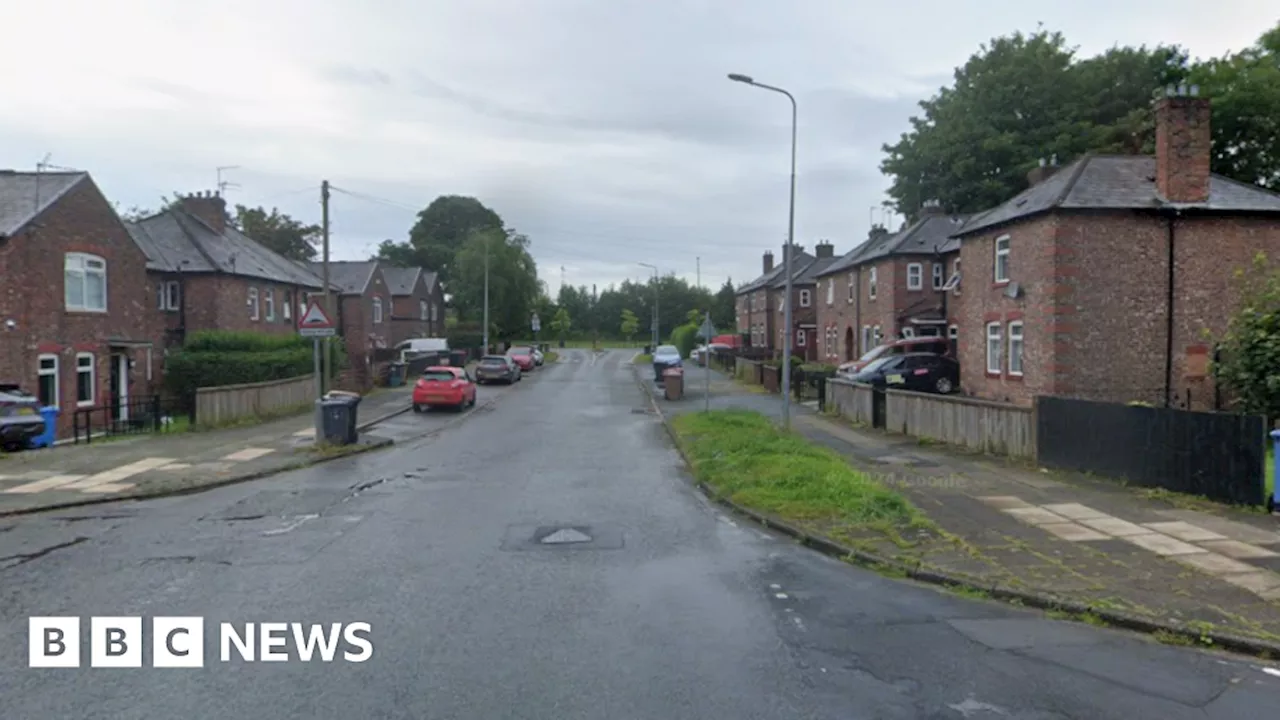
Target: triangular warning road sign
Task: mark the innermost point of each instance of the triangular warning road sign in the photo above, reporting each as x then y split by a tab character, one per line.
314	317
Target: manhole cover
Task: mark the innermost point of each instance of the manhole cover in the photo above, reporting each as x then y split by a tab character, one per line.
565	535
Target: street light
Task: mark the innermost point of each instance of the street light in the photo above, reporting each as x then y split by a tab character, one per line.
791	231
654	322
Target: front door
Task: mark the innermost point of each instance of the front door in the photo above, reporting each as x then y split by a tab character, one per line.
119	387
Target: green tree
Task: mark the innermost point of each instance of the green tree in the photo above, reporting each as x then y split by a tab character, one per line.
724	311
561	323
439	234
630	324
1249	361
513	281
279	232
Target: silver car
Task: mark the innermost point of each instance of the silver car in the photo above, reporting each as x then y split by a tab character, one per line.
665	358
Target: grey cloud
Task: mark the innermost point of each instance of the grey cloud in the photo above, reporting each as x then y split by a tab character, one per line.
356	76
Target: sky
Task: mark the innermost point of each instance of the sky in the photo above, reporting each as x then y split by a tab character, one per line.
605	130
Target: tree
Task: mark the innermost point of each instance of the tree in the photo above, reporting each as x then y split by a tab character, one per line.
1018	99
724	311
136	213
278	232
513	281
439	234
1248	363
561	323
630	324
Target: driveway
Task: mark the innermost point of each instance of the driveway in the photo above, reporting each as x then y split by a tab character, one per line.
546	558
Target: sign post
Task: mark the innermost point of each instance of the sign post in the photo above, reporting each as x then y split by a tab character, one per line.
315	324
536	324
708	331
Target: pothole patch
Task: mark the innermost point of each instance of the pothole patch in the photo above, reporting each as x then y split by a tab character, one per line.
566	536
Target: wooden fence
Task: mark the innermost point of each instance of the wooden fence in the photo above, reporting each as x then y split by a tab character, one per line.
218	405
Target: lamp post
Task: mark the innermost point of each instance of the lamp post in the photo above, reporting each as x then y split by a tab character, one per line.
654	322
786	260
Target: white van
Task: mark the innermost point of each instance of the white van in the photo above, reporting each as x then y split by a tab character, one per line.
416	346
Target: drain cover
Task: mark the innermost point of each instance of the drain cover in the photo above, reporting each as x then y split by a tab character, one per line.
565	535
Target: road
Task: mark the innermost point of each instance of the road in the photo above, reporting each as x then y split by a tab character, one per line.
670	610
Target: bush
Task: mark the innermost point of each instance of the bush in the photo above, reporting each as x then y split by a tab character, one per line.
465	335
232	341
685	338
216	358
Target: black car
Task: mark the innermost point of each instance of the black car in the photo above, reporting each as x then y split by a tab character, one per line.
20	418
497	368
921	372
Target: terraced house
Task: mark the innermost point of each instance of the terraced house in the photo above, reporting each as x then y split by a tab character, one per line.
364	310
804	299
417	303
1110	278
76	314
757	302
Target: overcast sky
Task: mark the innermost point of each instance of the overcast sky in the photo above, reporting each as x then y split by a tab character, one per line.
603	129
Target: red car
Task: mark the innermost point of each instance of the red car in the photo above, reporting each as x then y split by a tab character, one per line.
523	358
440	385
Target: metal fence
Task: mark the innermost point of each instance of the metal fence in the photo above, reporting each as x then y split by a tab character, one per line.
136	416
1217	455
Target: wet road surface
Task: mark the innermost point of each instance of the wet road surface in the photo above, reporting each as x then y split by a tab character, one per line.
547	558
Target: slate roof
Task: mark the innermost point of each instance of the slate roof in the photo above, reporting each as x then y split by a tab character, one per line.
23	195
400	281
816	268
176	241
847	260
1117	182
768	278
350	277
799	266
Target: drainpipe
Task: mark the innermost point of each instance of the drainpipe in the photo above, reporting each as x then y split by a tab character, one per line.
1168	311
857	311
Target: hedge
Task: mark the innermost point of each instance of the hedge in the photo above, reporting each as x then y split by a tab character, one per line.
216	358
685	338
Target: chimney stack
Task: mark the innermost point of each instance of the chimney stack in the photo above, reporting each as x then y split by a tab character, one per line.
931	208
876	232
768	262
210	207
1183	145
825	249
1043	171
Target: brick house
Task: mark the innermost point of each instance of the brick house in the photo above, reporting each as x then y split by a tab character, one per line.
891	287
364	309
1108	278
804	292
757	301
204	274
76	312
417	303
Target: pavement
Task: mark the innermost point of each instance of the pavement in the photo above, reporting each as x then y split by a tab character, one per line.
548	558
149	465
1135	556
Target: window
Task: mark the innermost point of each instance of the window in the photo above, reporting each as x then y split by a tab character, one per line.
957	273
433	312
805	299
253	303
953	332
938	279
915	276
85	282
800	338
270	298
85	377
876	336
167	295
871	284
422	310
47	381
303	299
866	338
377	310
994	349
831	290
851	283
908	332
287	305
1015	348
1002	259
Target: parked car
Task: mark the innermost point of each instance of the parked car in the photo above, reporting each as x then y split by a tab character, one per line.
665	357
523	358
934	345
444	386
497	368
20	418
538	357
920	371
700	354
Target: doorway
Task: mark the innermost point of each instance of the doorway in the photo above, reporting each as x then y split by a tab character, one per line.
848	344
119	387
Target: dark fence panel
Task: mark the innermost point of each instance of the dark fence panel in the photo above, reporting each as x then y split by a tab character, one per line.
135	417
879	408
1216	455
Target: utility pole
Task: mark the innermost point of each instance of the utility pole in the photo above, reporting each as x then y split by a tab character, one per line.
324	276
486	293
698	260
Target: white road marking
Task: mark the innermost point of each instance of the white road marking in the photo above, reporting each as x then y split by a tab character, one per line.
108	488
248	454
306	432
117	474
292	526
780	596
775	586
1271	671
46	484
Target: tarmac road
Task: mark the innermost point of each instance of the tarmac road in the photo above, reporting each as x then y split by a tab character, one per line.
648	603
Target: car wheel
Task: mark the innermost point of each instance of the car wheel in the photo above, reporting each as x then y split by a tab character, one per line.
944	386
419	408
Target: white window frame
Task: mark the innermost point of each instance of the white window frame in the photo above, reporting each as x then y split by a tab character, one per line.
851	286
995	348
424	309
877	337
81	265
939	275
957	272
831	291
287	306
93	379
908	332
998	271
800	340
915	276
434	314
304	299
953	332
169	295
866	340
377	309
805	298
253	304
871	284
42	372
1019	341
269	301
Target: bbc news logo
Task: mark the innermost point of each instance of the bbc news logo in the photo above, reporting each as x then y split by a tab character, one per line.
178	642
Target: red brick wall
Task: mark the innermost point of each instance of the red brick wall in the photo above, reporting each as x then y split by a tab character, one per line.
221	302
32	295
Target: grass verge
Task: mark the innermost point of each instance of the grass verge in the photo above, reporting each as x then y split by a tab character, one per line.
642	359
550	356
748	460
